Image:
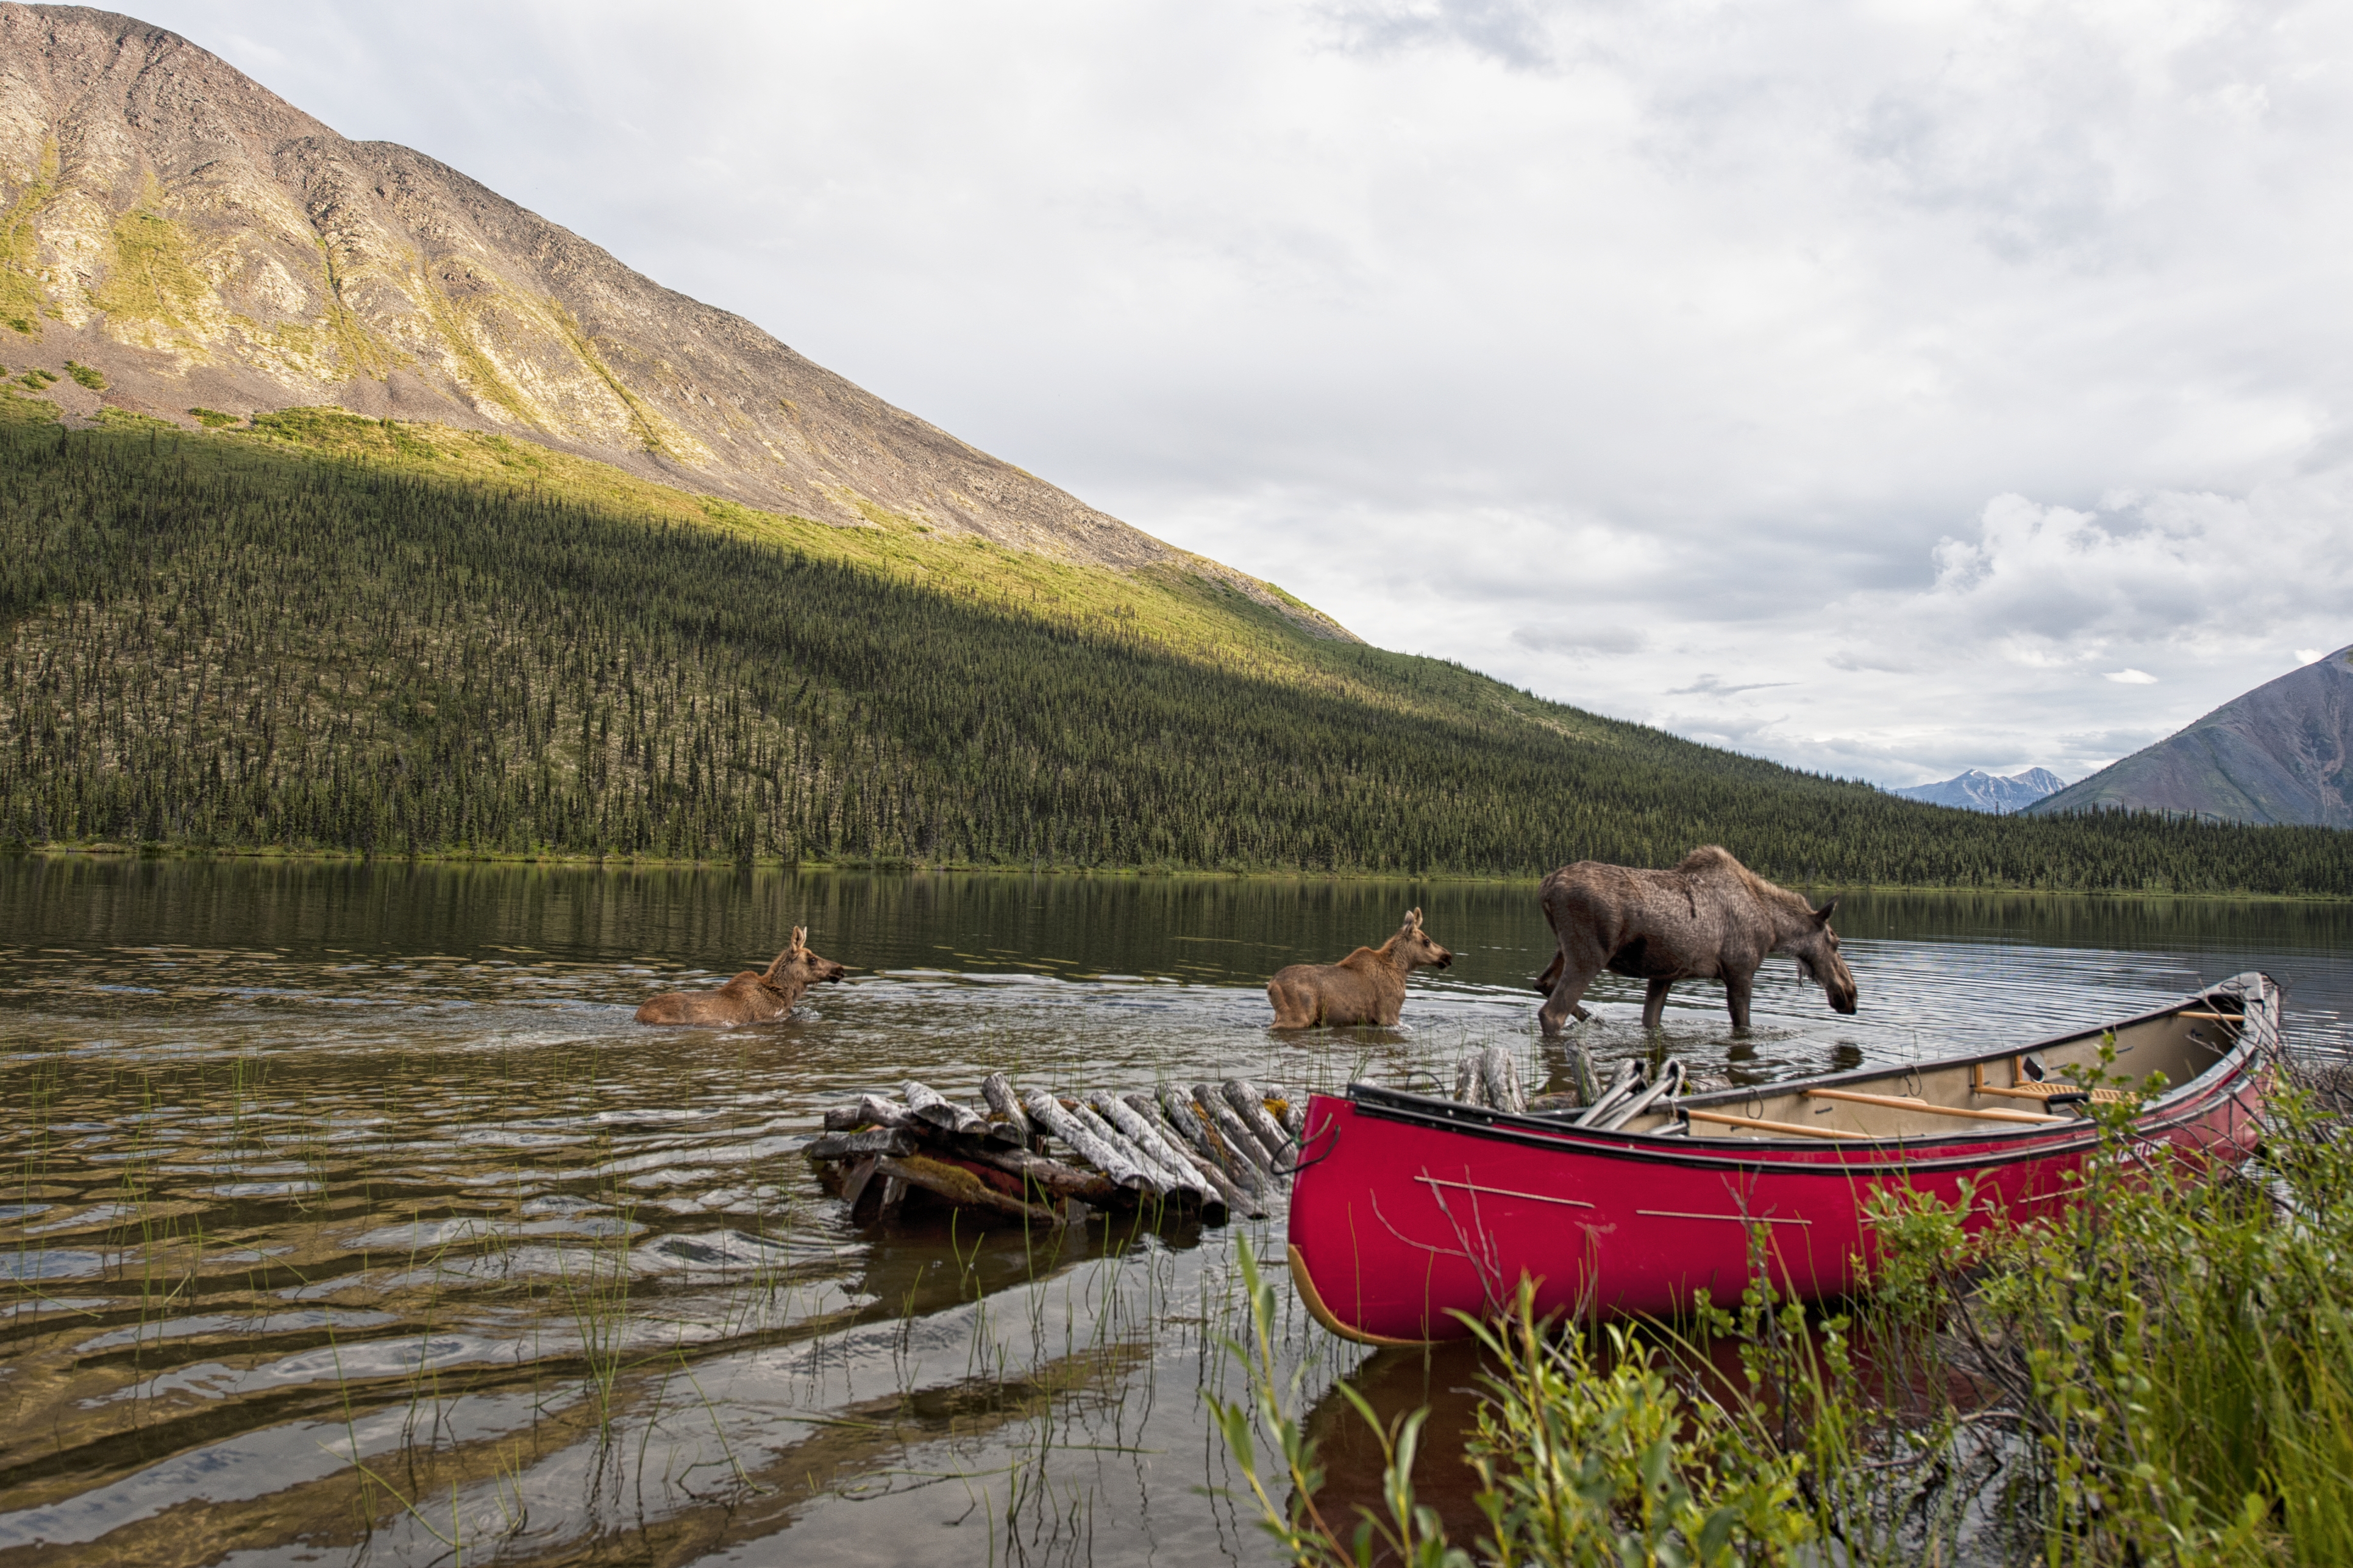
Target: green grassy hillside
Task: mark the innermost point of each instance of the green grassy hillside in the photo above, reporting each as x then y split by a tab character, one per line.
334	632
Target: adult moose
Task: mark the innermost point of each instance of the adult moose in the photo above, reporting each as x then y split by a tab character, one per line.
1711	918
751	997
1366	987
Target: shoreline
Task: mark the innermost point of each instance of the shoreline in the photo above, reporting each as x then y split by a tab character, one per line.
625	863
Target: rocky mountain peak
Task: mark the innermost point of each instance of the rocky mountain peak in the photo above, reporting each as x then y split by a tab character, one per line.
200	243
2276	754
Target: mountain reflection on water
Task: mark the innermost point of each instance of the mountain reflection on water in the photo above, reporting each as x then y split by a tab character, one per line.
350	1214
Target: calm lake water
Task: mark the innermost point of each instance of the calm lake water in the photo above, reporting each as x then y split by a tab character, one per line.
349	1215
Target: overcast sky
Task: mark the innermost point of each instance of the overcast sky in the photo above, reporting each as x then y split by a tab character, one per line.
1888	389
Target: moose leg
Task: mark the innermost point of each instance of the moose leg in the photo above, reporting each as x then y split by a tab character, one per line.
1736	998
1551	977
1563	1002
1545	980
1654	1003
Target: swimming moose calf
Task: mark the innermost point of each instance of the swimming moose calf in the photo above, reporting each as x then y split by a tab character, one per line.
1366	987
751	997
1711	918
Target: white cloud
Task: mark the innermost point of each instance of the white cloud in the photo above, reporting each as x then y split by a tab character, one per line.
2310	654
1556	637
2130	677
1924	363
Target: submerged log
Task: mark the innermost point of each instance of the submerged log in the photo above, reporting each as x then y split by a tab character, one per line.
960	1188
1051	1176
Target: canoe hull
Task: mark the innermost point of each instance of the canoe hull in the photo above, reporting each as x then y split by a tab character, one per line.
1408	1210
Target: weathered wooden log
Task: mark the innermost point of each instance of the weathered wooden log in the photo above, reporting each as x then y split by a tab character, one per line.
871	1192
867	1111
997	1090
1237	1198
1141	1133
1051	1176
893	1141
940	1111
1294	1119
1467	1087
960	1186
1250	1104
1185	1118
1179	1113
1581	1074
1501	1080
1236	1137
1180	1121
1163	1182
854	1185
1047	1112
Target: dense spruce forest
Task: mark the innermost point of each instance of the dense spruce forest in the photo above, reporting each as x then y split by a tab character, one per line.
329	633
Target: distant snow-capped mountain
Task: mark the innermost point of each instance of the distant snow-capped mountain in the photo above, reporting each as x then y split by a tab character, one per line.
1978	790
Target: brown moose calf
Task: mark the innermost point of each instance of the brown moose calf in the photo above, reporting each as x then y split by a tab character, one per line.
751	997
1366	987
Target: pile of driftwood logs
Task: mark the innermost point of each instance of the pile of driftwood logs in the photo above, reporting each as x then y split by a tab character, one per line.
1215	1151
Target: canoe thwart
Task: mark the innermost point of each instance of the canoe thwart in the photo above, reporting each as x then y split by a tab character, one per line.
1795	1127
1905	1102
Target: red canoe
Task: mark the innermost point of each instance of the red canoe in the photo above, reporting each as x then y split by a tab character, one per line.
1407	1209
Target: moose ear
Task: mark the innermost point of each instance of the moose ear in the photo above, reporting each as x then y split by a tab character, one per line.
800	939
1413	917
1822	916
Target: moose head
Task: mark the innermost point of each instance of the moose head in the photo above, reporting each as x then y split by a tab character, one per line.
1413	945
1816	950
796	968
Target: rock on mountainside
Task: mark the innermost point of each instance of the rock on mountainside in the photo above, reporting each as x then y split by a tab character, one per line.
190	241
2276	754
1978	790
